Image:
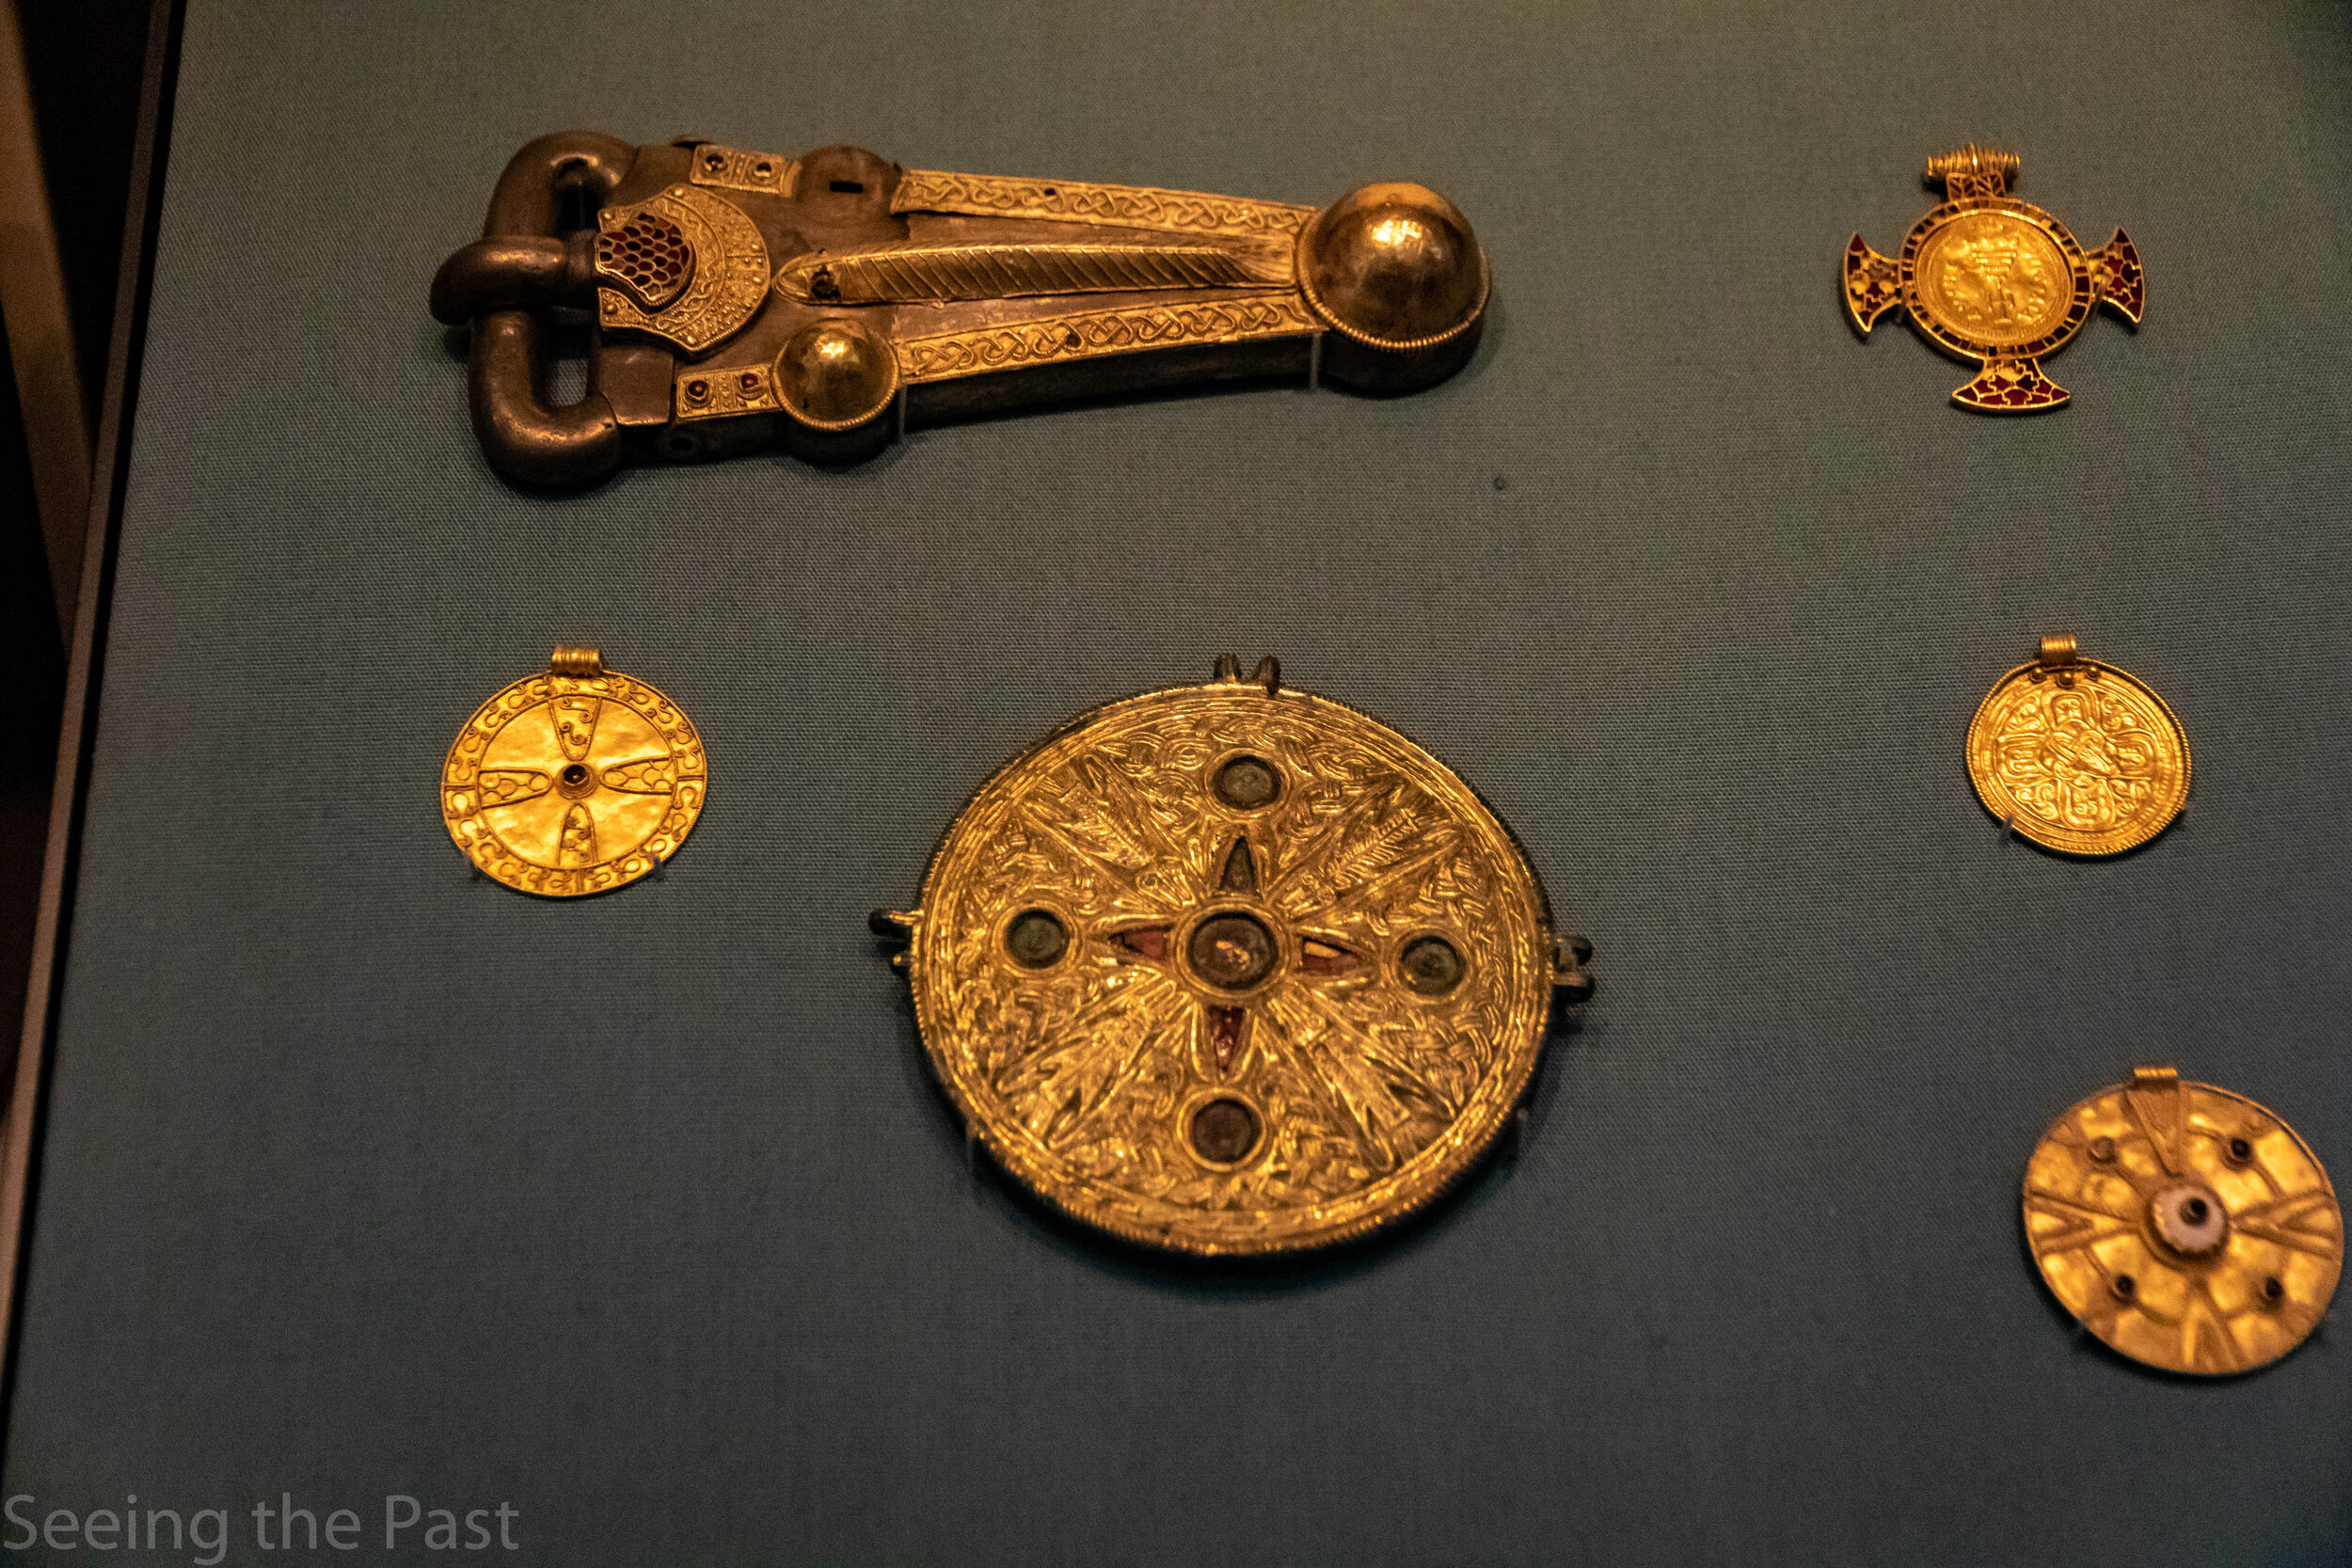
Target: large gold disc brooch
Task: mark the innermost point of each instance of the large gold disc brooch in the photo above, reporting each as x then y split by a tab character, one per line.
1232	969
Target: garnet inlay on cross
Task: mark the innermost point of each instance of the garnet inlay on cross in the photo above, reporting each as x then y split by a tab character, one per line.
1234	946
1234	951
1231	949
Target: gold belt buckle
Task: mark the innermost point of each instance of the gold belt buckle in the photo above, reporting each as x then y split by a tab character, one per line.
740	299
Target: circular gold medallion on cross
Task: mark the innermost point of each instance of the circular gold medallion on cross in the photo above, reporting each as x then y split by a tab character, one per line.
2077	756
573	781
1232	969
1988	278
2187	1227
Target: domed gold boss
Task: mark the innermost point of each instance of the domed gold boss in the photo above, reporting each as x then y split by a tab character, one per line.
1232	969
1393	265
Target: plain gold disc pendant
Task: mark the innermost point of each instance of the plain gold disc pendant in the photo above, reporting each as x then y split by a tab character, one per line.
2187	1227
573	781
1231	968
2077	756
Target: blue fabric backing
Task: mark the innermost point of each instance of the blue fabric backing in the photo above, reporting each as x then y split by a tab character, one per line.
366	1177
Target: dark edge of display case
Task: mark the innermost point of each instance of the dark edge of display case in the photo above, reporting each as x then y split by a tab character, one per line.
20	1137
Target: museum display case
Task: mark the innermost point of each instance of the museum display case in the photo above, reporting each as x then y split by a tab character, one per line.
357	1183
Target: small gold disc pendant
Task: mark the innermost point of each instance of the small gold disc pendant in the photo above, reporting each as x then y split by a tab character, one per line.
2187	1227
1988	278
573	781
2077	756
1232	969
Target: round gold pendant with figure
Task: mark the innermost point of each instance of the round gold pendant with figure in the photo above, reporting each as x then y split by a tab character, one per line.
2078	755
573	781
1232	969
2187	1227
